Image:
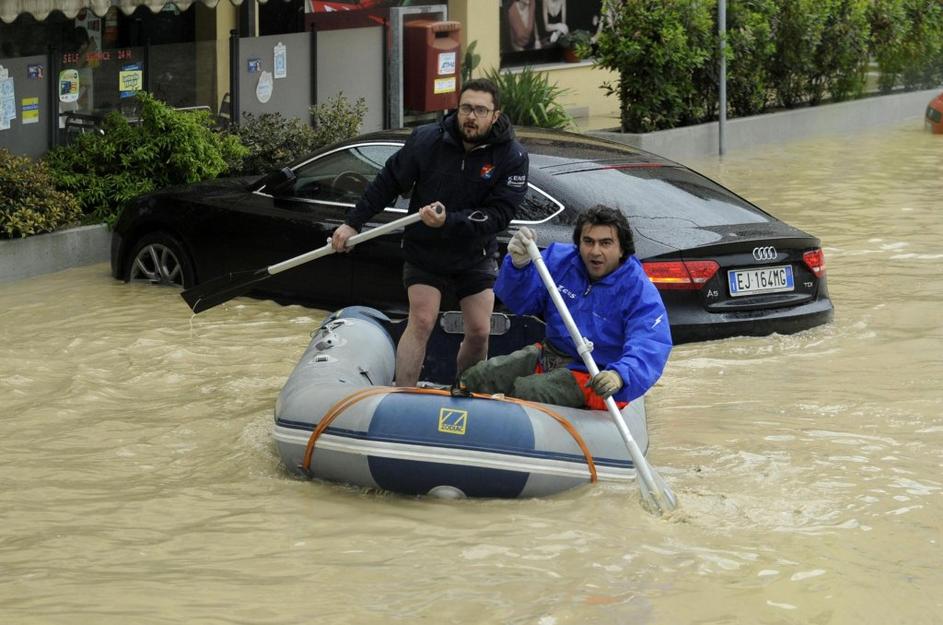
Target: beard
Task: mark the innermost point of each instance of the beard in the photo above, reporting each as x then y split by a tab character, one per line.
471	133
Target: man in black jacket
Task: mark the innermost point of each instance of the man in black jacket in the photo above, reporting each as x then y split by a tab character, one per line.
468	175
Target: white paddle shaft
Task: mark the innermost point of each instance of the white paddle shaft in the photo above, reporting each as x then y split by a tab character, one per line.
584	348
352	241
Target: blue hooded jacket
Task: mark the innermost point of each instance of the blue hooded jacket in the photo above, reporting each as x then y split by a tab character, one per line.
621	314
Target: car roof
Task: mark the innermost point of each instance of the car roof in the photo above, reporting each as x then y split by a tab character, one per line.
555	152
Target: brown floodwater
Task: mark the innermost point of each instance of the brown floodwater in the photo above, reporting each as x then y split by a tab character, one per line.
139	483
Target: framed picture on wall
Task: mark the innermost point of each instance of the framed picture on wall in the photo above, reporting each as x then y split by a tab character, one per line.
532	31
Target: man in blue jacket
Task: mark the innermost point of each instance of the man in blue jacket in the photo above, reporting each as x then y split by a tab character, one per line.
613	303
467	175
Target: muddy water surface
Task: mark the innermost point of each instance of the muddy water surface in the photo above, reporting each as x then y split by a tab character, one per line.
139	484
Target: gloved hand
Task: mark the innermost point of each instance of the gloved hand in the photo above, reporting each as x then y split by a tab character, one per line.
605	383
517	247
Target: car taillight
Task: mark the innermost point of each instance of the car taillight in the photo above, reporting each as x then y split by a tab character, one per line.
815	260
687	275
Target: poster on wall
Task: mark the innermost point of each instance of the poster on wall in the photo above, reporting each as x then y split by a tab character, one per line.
264	88
533	31
30	108
69	85
281	60
130	80
7	99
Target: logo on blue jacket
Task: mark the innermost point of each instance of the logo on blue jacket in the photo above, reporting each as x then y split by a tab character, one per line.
487	170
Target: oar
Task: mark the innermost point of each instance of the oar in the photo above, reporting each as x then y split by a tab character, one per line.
222	289
656	496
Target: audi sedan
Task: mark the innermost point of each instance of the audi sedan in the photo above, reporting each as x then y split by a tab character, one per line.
724	267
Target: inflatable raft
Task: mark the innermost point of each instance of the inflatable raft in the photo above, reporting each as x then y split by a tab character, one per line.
339	419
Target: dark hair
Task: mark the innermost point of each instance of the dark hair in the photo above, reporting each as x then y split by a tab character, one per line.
483	84
602	215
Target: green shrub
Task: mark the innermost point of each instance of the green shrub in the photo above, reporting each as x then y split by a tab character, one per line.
750	48
274	140
337	119
29	201
887	19
166	147
798	32
841	59
907	42
470	62
702	102
655	46
528	98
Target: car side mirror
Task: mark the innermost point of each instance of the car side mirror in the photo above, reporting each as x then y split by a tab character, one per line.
277	182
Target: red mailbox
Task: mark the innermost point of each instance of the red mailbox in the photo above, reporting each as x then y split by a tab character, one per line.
432	65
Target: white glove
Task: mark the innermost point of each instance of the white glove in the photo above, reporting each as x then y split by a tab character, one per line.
517	247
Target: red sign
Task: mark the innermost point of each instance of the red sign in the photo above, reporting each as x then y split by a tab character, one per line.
332	7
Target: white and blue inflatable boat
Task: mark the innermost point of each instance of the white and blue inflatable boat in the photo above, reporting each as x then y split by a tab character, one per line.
339	418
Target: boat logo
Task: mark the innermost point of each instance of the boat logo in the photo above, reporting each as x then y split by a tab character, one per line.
452	421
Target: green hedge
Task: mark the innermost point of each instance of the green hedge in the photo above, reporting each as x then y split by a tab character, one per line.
907	42
656	46
780	53
29	201
274	140
166	147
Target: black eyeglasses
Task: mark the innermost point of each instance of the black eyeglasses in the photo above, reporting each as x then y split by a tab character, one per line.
479	111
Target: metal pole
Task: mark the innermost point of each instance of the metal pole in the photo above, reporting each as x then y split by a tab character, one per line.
234	78
722	32
54	56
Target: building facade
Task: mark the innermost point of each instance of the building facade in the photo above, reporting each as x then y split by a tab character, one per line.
61	72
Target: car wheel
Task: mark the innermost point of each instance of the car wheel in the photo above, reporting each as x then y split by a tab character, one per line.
159	258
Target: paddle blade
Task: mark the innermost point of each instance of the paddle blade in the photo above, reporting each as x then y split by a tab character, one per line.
222	289
657	498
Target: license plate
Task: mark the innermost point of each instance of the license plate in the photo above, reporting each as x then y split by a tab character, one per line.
453	322
766	280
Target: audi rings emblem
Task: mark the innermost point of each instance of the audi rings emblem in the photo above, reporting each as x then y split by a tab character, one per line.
765	253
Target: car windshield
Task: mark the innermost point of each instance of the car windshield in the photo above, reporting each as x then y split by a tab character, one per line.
663	194
342	175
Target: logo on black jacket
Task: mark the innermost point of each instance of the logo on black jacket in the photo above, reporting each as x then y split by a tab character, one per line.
487	170
517	181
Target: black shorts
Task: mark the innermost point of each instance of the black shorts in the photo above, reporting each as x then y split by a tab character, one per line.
461	283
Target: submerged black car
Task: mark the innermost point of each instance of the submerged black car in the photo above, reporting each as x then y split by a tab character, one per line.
724	267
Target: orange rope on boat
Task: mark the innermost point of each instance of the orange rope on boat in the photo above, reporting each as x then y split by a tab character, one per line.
338	408
569	428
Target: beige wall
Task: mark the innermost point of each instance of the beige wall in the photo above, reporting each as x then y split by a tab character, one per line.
215	24
481	25
585	99
480	21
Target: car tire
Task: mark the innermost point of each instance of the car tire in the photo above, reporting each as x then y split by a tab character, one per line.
159	258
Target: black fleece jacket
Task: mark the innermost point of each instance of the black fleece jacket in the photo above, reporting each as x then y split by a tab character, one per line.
481	190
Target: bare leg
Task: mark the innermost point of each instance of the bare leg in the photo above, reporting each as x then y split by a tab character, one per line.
424	303
476	313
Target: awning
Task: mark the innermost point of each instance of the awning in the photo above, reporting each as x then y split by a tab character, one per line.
10	9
